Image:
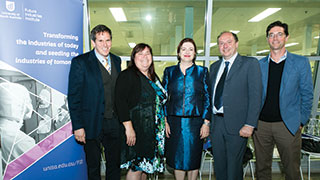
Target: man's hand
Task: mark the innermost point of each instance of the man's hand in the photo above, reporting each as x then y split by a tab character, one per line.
80	135
246	131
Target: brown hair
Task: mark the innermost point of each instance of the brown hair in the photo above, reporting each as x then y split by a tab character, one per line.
99	29
184	41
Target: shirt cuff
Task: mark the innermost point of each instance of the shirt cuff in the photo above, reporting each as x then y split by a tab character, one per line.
249	126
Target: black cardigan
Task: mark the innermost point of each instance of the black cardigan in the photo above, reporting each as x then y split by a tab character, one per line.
127	93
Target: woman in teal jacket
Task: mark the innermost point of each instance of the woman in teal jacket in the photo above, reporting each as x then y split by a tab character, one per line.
187	111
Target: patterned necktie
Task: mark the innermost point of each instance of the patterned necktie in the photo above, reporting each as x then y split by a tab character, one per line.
219	89
107	66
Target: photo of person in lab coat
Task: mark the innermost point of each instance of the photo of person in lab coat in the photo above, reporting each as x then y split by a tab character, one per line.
15	107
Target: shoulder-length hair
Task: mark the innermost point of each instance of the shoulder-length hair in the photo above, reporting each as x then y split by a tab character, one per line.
184	41
138	48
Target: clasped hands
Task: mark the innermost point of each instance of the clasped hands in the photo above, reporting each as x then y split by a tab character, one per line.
204	131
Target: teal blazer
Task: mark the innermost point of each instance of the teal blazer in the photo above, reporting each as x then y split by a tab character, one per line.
188	95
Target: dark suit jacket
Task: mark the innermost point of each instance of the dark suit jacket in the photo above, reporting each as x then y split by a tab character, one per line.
241	94
86	93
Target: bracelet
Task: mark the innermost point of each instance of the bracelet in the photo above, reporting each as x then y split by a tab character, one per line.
206	123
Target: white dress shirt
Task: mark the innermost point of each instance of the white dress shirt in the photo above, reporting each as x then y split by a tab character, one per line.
220	72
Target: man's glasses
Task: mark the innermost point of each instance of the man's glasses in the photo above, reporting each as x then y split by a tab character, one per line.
278	35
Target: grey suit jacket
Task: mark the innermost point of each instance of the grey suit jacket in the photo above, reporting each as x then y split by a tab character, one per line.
242	93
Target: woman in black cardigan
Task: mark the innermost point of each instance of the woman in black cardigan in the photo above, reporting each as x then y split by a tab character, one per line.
139	99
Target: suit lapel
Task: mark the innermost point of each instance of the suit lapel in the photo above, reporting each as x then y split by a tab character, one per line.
288	66
214	72
114	69
93	66
115	62
235	66
264	66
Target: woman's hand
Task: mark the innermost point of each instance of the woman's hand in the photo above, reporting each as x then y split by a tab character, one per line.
168	132
130	133
205	129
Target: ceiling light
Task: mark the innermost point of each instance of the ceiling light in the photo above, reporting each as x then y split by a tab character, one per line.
264	14
234	31
317	37
118	14
291	44
200	51
148	17
132	44
212	44
263	51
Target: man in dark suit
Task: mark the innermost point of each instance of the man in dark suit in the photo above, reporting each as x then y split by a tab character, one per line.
236	99
91	102
287	102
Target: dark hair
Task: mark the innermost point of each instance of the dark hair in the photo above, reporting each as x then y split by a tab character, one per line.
98	29
184	41
233	34
280	24
138	48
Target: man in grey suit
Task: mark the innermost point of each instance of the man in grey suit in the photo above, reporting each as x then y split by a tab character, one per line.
236	101
287	102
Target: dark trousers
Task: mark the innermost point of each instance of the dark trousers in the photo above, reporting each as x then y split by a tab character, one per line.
228	151
110	142
265	137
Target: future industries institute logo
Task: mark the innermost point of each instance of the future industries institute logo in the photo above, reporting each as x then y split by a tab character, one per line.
10	5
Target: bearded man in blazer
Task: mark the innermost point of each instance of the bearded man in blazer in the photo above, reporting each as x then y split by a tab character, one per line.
286	101
91	102
236	117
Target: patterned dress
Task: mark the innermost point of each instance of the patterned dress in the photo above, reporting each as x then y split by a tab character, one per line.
147	117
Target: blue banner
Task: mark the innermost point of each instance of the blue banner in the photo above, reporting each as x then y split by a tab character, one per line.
38	39
42	35
65	168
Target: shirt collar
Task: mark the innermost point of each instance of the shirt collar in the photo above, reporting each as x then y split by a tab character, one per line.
101	58
231	60
281	59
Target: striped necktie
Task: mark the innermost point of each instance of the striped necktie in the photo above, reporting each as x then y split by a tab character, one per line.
107	66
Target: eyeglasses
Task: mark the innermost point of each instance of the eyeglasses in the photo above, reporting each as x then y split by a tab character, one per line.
278	35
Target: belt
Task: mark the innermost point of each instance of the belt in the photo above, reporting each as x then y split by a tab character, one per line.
220	114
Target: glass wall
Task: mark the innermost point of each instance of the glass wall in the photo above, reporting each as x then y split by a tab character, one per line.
163	23
159	23
302	16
